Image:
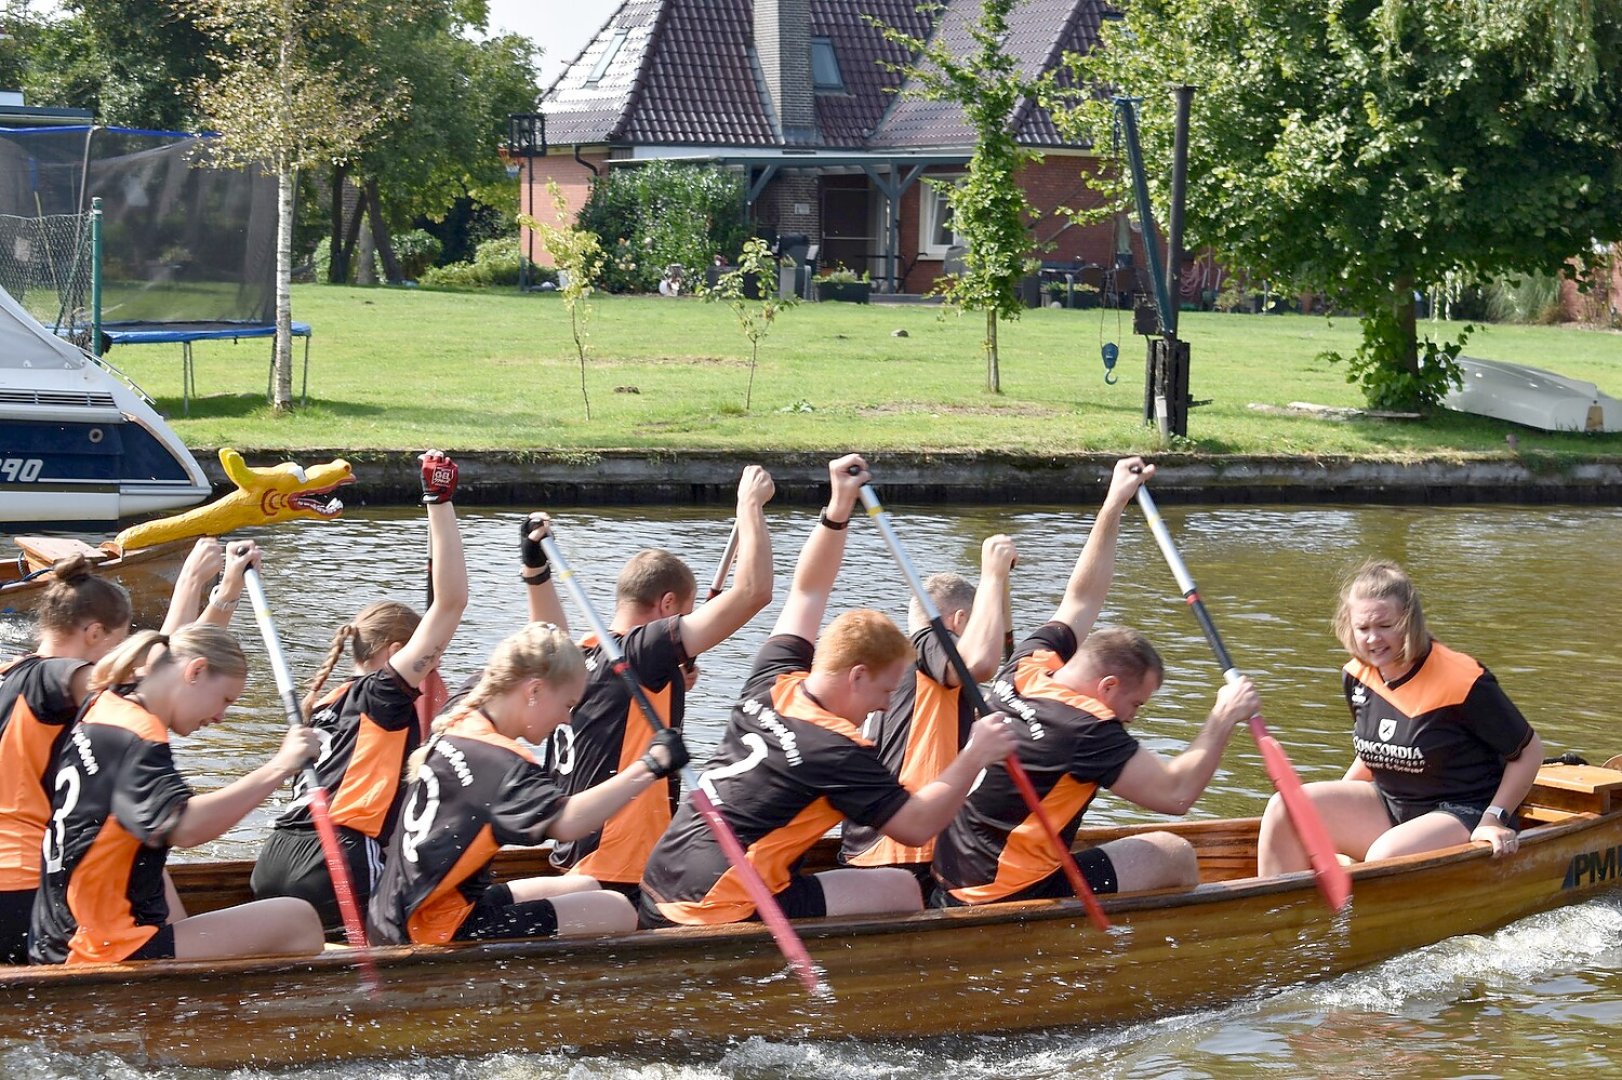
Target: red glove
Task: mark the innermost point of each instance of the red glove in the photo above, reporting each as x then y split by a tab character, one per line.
438	478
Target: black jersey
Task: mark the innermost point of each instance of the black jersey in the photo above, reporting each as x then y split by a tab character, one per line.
786	772
118	796
368	728
476	790
1441	733
607	734
36	709
1071	745
917	736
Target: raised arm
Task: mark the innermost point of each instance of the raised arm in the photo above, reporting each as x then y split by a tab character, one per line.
1173	785
981	642
539	591
223	600
751	587
203	563
419	655
1095	568
814	574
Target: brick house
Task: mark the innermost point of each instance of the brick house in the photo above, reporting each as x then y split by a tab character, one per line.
798	96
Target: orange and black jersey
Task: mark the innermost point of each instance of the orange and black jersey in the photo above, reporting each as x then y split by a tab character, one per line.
786	772
37	707
918	735
476	791
368	728
1441	733
1070	744
117	798
606	734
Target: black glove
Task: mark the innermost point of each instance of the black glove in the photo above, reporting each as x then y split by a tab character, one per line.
530	551
667	746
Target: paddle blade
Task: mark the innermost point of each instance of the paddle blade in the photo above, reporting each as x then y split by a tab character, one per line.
434	695
1333	881
342	888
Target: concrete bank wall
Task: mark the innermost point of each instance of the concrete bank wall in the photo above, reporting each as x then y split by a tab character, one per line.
622	477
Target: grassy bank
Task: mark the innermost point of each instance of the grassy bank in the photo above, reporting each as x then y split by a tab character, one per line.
397	368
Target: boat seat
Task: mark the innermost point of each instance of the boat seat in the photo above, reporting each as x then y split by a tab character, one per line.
1567	789
44	552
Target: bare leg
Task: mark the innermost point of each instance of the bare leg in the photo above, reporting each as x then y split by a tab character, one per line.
547	888
869	891
171	896
1352	811
1158	860
1425	833
595	912
278	927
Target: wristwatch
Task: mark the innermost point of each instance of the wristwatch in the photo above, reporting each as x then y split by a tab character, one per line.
1501	814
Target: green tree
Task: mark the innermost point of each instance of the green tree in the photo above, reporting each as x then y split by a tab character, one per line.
989	208
1369	149
755	316
272	105
578	255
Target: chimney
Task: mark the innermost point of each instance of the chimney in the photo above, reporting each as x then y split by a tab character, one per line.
783	43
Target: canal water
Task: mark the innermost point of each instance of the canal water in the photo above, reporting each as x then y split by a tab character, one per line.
1531	592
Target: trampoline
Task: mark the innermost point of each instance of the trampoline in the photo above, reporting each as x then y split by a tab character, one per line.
186	333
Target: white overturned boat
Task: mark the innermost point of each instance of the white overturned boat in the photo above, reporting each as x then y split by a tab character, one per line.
80	445
1533	397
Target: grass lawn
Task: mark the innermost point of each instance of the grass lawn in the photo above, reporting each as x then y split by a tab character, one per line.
397	368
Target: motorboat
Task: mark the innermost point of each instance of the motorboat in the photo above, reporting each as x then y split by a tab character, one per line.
1533	397
80	444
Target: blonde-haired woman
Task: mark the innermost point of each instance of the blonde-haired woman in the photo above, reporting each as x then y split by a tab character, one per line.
368	723
475	787
120	805
1443	757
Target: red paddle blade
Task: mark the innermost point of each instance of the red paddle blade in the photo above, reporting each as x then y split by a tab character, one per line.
434	696
1333	881
338	870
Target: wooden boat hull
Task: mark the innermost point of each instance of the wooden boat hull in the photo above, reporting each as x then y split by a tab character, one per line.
148	574
666	993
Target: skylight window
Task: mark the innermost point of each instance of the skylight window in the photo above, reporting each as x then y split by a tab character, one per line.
825	74
608	56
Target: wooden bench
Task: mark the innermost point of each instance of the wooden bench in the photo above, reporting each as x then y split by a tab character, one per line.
1562	790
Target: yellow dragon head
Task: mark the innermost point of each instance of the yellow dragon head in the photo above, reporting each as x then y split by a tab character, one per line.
264	496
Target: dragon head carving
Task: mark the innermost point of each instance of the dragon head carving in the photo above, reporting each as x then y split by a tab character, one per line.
264	496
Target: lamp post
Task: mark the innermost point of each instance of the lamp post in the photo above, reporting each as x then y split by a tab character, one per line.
526	139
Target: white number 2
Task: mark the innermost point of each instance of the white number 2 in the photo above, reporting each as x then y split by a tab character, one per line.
416	823
757	754
67	778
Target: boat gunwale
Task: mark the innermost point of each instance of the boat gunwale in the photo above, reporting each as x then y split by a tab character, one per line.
672	940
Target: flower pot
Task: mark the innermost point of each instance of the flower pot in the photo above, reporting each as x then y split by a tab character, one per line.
849	292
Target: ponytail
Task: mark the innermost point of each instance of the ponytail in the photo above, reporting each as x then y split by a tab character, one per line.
76	596
119	666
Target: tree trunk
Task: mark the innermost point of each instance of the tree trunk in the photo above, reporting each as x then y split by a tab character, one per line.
1403	305
283	397
366	259
380	235
993	368
338	262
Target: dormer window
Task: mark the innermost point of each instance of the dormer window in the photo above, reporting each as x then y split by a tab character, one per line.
613	50
825	74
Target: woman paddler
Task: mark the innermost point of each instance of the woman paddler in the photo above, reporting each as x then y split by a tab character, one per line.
368	725
120	805
475	787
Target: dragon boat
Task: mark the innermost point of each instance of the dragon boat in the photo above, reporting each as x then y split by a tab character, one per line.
669	993
145	558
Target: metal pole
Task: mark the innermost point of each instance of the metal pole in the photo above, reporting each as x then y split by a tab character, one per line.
1179	185
95	276
1125	108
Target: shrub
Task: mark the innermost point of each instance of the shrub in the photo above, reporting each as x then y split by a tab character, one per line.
417	251
660	214
495	262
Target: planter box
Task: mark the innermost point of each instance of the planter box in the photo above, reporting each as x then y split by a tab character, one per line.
751	282
849	292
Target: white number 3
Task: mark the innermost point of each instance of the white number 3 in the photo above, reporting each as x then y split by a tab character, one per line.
67	778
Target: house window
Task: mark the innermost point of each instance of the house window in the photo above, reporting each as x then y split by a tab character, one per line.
935	232
609	53
825	73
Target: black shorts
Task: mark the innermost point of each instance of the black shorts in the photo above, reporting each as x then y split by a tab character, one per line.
1096	869
1468	813
160	946
16	914
292	863
803	899
495	917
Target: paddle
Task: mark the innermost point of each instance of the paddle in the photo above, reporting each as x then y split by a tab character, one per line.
1333	881
719	582
765	903
433	694
337	867
977	700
